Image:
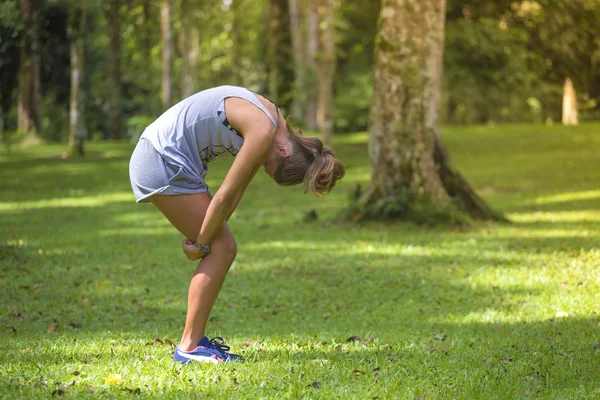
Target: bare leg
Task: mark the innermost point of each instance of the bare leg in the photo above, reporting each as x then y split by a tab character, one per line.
186	213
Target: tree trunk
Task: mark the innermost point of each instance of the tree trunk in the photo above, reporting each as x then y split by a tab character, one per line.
409	164
76	36
165	30
299	98
115	116
312	46
189	43
569	105
29	118
326	66
274	15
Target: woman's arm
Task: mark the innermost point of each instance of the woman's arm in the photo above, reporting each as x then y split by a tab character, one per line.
241	192
258	131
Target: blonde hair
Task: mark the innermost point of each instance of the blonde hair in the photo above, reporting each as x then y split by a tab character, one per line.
310	164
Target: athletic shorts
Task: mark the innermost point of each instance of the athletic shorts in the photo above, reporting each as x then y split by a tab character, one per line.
150	174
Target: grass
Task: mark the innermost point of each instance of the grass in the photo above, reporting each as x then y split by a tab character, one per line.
93	285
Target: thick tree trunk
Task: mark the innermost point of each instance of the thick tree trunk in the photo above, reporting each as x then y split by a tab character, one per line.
326	66
569	105
115	116
167	42
299	99
29	113
190	44
76	37
408	159
312	47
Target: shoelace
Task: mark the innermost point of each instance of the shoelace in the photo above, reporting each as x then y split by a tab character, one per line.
218	343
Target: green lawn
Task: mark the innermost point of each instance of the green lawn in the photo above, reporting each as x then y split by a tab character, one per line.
89	279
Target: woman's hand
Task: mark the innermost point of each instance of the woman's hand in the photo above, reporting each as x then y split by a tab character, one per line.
191	251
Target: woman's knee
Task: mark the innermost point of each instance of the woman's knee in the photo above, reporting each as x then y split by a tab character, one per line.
227	247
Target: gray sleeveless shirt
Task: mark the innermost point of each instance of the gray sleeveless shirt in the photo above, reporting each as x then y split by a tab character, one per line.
195	131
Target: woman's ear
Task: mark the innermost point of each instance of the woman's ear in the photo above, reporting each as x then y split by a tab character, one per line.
284	150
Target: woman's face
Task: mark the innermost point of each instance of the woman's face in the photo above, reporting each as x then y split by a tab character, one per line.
280	148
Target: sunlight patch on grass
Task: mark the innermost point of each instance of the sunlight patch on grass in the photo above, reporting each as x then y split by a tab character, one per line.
548	233
145	231
88	201
357	177
149	218
556	216
565	197
361	137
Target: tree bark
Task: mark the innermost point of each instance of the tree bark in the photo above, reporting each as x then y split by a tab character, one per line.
165	30
312	47
115	115
29	112
190	44
299	98
569	104
326	65
76	32
408	158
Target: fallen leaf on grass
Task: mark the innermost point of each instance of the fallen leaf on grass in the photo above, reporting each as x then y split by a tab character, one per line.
217	379
90	389
133	391
116	378
65	385
154	342
58	392
76	373
358	372
443	349
170	342
51	328
353	339
250	342
439	336
316	385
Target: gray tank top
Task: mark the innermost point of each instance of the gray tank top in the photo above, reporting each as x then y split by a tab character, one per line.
195	131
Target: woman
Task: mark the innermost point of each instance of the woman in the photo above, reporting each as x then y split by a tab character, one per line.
168	167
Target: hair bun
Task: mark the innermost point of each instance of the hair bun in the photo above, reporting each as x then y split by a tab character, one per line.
324	173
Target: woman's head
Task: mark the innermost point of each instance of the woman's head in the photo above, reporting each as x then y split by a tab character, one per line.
307	162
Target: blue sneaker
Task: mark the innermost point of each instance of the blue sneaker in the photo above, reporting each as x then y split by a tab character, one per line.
212	351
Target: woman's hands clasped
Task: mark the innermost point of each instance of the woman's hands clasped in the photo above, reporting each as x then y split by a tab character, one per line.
191	251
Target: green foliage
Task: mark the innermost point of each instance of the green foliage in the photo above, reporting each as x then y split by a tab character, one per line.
136	126
353	103
89	279
485	67
55	120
